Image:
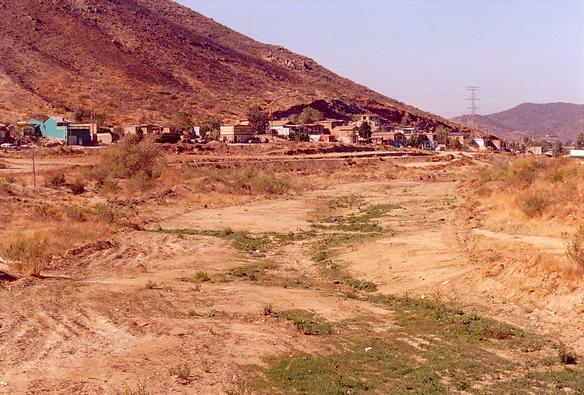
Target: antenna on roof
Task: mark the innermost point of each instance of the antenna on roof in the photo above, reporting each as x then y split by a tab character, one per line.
473	98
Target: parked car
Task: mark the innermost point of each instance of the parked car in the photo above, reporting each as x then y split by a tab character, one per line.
7	146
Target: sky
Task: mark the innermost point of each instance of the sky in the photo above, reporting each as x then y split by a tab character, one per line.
425	52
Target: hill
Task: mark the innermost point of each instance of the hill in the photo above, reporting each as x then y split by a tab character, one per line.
147	60
564	120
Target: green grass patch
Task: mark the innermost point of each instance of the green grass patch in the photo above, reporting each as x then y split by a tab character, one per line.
307	322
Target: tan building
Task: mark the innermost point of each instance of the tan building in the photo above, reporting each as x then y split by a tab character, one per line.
346	134
236	133
330	124
392	138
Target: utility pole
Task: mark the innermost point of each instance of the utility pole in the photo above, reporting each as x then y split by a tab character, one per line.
33	169
473	99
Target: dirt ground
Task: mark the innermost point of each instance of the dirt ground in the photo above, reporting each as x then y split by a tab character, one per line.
129	308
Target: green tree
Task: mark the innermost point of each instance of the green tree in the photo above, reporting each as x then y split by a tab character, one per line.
309	115
365	130
183	120
579	141
442	134
557	148
210	127
258	119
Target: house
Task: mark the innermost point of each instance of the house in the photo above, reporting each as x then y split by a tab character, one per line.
82	133
283	127
577	153
393	138
4	133
237	133
330	124
346	134
104	137
535	150
377	122
49	126
143	129
312	128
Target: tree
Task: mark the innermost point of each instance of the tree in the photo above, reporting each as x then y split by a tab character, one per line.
579	141
211	128
442	134
365	130
183	120
557	148
258	119
309	115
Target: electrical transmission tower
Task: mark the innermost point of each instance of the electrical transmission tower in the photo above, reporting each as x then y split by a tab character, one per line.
473	99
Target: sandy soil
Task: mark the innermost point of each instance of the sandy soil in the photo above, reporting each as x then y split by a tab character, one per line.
121	311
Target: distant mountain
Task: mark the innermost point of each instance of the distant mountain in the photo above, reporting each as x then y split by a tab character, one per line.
148	60
564	120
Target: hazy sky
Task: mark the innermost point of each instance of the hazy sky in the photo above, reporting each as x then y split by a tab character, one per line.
424	52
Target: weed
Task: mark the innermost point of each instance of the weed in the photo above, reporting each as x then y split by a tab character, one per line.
202	276
139	389
307	322
268	310
567	355
55	180
105	213
534	203
75	213
182	372
28	253
206	366
522	172
574	244
77	187
360	285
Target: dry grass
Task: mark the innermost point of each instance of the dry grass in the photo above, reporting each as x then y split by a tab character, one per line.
538	187
575	246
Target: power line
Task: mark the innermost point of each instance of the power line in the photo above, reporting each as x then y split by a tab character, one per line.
473	98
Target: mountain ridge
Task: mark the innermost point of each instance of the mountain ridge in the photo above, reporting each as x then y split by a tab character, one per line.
561	119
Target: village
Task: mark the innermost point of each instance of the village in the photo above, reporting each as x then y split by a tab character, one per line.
260	127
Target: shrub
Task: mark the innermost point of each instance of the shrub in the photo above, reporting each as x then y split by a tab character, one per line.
150	285
56	180
77	187
534	203
574	244
202	276
132	158
75	213
182	372
246	180
105	213
567	355
29	253
523	172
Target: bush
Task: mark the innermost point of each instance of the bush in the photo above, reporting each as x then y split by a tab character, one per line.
523	172
56	180
29	253
575	246
182	372
534	204
75	213
567	355
132	158
77	187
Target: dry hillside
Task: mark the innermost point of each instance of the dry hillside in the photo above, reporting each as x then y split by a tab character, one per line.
145	60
